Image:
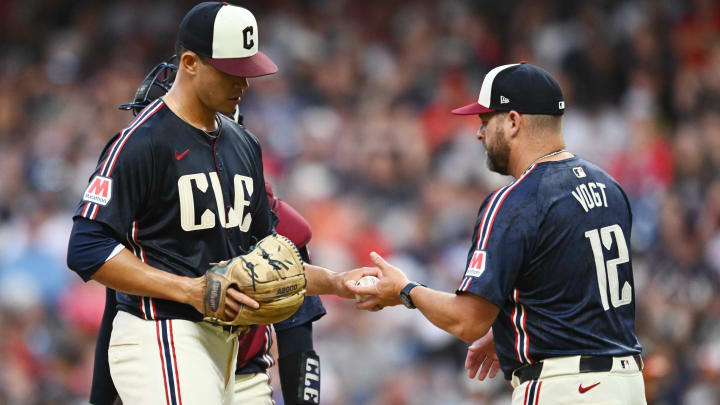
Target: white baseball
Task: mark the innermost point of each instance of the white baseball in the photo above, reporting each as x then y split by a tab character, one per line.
367	280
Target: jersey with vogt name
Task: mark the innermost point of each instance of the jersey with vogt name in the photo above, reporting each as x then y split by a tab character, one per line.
179	198
552	251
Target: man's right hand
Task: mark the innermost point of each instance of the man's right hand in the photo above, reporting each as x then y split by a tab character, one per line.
233	299
384	293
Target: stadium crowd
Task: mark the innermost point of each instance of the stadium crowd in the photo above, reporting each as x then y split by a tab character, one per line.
358	137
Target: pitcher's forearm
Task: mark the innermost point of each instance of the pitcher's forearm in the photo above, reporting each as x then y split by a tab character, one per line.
128	274
321	281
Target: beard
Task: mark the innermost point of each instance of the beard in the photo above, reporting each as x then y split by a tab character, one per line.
498	154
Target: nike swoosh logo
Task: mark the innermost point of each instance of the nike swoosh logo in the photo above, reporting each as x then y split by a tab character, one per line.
583	390
179	156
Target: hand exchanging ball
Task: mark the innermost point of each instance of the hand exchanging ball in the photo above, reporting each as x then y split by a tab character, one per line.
382	292
365	281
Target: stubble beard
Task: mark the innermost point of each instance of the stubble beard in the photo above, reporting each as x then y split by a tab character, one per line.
498	154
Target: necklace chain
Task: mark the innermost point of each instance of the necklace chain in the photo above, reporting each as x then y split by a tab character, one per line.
219	127
557	152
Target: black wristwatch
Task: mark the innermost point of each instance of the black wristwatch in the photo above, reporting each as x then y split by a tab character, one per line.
405	294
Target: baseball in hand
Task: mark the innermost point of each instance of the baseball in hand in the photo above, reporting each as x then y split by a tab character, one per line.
367	280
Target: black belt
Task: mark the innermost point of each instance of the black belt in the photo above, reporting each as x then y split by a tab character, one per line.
235	328
588	364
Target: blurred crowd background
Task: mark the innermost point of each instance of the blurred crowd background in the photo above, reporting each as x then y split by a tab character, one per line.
358	137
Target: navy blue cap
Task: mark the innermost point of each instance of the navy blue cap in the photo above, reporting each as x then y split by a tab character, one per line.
525	88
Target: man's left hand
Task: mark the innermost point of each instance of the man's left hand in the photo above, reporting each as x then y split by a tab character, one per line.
481	356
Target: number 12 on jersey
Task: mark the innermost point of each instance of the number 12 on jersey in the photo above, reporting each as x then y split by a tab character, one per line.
607	272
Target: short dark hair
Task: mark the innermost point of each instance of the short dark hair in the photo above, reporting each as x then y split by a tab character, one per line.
180	49
543	122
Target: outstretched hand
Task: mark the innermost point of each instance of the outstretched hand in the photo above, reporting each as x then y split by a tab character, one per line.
349	278
384	293
481	356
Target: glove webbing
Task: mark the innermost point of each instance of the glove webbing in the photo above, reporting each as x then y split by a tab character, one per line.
250	266
276	264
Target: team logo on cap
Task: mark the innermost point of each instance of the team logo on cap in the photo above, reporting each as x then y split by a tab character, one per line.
99	191
248	42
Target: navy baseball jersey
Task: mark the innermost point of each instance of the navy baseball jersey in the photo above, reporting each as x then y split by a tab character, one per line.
552	251
178	197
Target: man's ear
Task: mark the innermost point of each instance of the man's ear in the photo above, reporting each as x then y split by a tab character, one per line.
513	122
189	62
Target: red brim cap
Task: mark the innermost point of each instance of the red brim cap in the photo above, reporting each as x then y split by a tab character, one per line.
472	109
252	66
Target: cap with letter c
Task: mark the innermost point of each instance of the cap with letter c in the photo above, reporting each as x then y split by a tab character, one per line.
227	37
525	88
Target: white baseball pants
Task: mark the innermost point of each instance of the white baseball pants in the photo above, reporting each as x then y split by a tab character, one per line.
561	383
171	361
253	389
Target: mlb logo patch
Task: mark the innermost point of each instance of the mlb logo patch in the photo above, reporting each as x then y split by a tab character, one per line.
579	172
477	264
99	191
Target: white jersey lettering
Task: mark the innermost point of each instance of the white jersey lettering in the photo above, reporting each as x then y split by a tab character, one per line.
588	196
229	217
187	203
245	185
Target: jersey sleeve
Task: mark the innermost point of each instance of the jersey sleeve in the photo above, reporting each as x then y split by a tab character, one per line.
120	184
503	240
91	244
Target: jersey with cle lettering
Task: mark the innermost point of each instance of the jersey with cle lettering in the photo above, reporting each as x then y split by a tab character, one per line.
552	251
179	198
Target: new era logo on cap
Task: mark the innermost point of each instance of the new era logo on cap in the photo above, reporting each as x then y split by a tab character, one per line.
227	36
525	88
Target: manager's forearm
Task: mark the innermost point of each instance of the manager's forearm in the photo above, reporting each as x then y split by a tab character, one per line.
455	314
126	273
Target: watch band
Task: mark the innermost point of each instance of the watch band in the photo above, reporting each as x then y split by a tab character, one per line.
405	294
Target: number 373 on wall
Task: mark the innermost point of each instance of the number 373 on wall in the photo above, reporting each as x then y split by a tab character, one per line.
607	271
